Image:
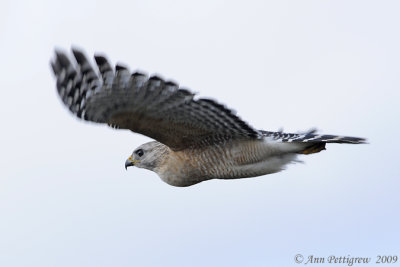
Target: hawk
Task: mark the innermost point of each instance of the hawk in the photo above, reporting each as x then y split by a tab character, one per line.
197	139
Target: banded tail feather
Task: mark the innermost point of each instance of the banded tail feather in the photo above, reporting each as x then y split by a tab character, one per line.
312	137
316	141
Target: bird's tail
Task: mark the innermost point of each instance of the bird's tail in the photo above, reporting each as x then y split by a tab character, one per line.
317	141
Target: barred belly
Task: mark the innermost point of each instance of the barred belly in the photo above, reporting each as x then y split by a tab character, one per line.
229	160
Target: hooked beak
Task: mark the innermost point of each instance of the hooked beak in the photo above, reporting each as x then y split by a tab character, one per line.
130	162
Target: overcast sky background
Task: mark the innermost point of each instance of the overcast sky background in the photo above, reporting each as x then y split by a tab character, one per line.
66	199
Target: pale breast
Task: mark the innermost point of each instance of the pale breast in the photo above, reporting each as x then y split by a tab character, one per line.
228	160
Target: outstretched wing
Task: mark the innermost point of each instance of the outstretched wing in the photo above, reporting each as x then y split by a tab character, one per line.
149	106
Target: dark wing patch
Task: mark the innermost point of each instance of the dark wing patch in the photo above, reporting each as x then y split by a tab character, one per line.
150	106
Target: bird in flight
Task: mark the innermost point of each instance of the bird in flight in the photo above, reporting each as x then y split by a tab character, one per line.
196	139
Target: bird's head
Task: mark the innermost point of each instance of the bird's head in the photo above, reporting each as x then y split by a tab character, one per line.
147	156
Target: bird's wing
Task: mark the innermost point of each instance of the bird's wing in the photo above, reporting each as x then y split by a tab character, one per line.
149	106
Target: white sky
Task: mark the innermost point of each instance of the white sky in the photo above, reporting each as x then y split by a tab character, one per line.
66	200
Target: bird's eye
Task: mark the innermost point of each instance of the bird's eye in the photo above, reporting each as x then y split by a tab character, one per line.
139	152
